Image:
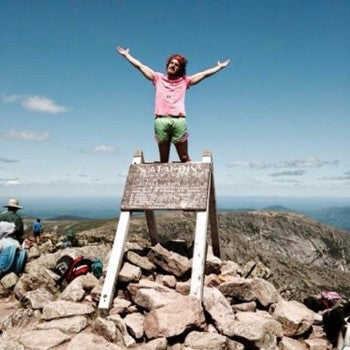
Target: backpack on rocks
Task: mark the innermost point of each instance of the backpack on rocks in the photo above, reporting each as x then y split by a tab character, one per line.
97	268
12	259
80	266
68	268
62	266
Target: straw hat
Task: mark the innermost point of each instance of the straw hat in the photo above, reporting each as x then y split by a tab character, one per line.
13	203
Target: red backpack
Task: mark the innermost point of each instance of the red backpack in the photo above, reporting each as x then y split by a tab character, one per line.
79	266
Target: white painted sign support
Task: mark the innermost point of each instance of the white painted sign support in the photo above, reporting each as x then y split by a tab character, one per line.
116	257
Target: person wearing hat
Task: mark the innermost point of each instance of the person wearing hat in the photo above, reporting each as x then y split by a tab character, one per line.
170	89
10	215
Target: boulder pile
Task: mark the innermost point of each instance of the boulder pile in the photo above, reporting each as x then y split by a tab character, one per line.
152	308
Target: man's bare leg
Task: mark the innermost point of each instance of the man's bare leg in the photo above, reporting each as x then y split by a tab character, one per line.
182	151
164	150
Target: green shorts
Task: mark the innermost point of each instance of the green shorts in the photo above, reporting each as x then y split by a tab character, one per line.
170	129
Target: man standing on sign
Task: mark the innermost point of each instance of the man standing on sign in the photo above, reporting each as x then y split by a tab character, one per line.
170	88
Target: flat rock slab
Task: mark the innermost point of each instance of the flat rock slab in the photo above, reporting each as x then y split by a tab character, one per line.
7	344
62	308
174	318
67	324
43	339
90	341
171	262
38	298
205	341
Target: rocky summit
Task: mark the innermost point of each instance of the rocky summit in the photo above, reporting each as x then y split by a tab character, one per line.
252	295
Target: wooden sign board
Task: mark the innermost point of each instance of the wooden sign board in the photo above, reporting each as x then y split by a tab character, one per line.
176	186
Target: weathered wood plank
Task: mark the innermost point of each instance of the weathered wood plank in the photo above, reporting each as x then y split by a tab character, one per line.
152	226
213	219
167	186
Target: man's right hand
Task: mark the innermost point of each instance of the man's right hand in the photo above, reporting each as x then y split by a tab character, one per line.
122	51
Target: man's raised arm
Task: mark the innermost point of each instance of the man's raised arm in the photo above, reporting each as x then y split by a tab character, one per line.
195	79
146	71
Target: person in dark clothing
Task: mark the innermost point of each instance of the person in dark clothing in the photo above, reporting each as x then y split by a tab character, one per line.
10	215
334	320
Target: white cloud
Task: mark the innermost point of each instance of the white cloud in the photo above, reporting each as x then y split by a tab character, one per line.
10	98
37	103
336	178
12	183
26	135
291	181
42	104
288	173
104	149
311	162
252	165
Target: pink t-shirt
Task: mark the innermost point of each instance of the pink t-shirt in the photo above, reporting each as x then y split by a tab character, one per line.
170	95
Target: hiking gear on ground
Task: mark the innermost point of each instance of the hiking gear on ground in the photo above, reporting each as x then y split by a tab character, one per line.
7	241
68	268
80	266
69	239
12	259
21	260
13	203
329	298
62	266
6	229
97	268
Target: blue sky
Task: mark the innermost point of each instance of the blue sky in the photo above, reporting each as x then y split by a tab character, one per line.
73	111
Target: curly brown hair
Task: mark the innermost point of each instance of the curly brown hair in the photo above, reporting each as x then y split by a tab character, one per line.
182	61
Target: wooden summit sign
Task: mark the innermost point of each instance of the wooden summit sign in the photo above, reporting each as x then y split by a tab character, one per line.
169	186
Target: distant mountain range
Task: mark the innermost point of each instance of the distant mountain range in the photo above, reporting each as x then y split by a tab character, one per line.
278	208
335	216
68	218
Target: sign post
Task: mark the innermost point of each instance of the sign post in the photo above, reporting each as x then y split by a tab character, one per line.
166	186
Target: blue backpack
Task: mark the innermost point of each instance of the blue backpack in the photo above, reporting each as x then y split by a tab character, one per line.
12	259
